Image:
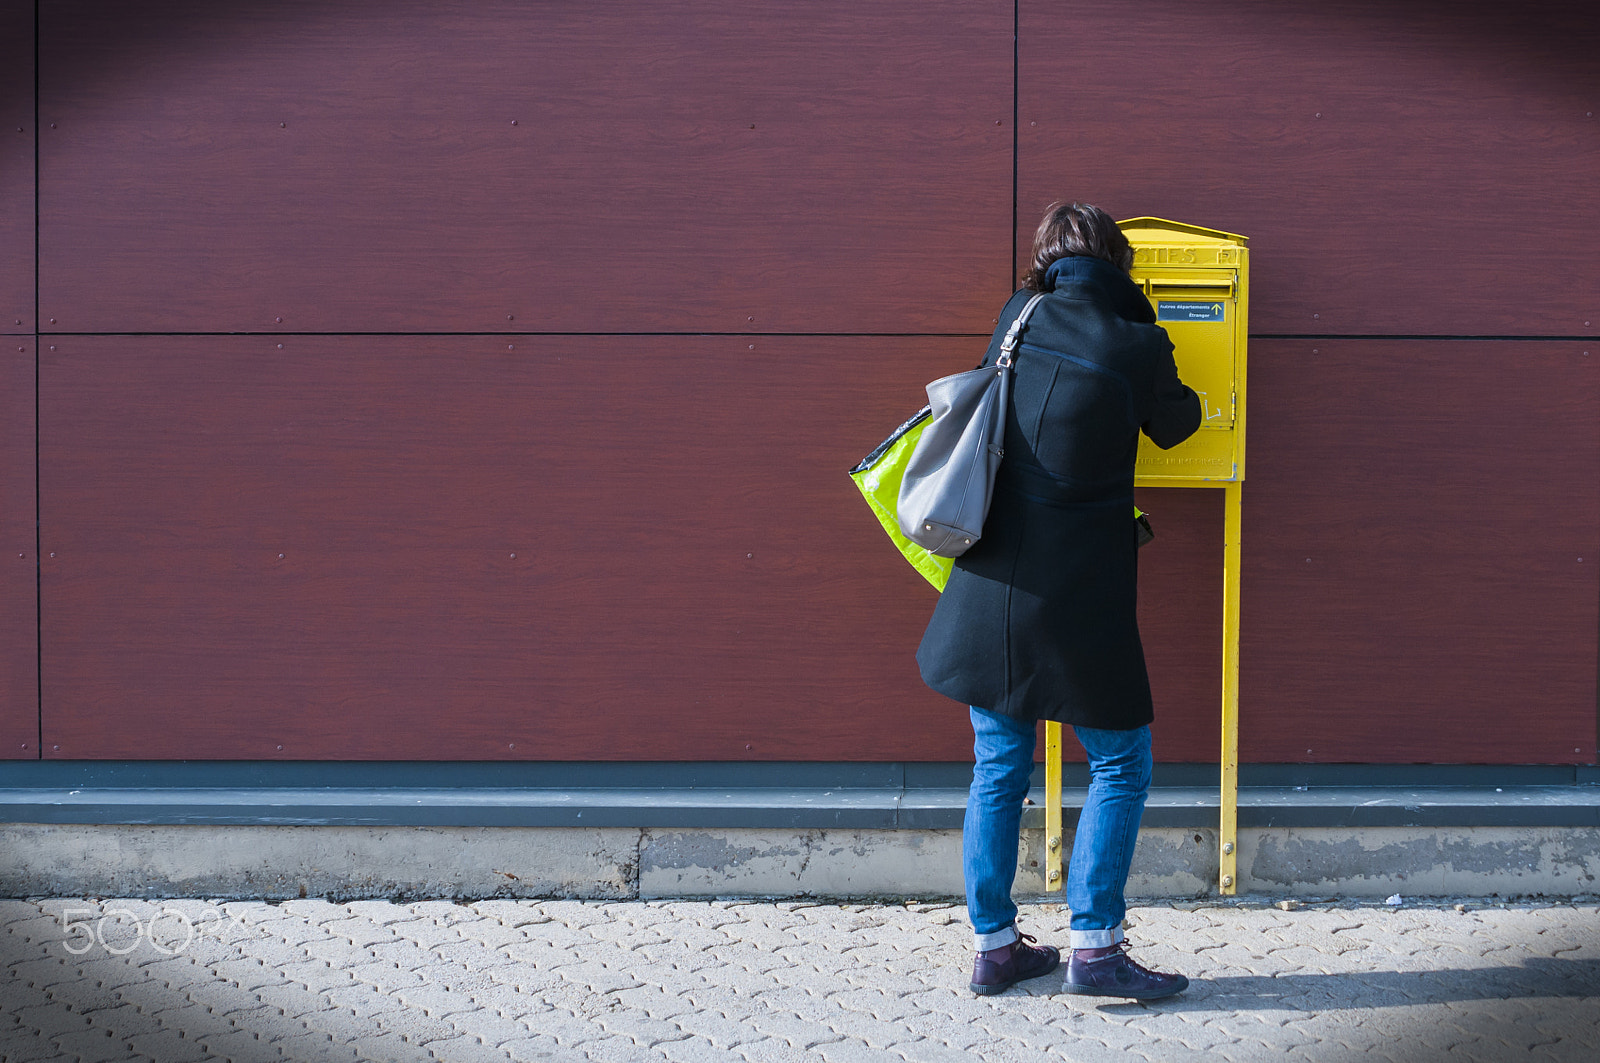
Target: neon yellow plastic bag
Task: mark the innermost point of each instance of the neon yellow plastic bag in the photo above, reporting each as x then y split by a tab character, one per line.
878	477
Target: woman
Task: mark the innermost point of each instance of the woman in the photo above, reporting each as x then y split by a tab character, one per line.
1037	621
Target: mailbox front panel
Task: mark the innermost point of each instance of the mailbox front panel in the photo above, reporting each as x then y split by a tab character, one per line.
1200	320
1197	281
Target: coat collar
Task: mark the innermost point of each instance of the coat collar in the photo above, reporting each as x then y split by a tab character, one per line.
1085	277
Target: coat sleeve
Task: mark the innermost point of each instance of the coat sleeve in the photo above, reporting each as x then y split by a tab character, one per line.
1174	409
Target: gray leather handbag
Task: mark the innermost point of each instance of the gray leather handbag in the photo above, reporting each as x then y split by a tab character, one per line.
949	478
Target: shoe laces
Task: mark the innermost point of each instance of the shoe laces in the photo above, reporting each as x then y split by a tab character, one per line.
1120	949
1026	942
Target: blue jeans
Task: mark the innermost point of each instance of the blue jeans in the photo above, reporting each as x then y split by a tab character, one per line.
1108	826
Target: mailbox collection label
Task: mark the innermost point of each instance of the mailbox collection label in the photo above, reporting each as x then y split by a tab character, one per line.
1188	311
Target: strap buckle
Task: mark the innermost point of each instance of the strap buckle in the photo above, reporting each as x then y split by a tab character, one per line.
1008	345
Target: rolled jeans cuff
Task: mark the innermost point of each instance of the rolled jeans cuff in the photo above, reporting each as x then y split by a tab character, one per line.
997	940
1093	939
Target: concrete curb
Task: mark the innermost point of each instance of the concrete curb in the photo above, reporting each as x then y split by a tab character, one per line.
347	863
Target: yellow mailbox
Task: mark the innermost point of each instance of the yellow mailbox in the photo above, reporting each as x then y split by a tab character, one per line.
1198	282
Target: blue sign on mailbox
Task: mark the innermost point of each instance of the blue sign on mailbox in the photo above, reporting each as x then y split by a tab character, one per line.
1167	310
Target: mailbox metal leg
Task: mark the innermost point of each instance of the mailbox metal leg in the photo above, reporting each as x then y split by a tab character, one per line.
1054	875
1228	877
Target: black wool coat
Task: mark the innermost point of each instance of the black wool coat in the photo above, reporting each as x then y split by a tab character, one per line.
1037	621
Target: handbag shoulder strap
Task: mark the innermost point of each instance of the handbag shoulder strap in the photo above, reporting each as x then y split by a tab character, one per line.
1008	346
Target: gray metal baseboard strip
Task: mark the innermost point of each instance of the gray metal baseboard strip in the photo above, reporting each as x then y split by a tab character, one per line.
869	807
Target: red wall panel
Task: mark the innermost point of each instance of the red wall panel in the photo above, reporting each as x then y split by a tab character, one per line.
1421	552
715	165
694	576
16	167
1403	169
1180	621
19	631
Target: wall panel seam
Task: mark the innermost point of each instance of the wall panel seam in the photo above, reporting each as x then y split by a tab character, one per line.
38	519
1440	336
1016	132
537	335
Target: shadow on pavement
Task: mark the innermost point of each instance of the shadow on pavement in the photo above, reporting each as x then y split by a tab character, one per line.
1538	977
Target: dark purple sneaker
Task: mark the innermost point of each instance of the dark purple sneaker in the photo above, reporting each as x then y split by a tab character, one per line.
1110	973
999	969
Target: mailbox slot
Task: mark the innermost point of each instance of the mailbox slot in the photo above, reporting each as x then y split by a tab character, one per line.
1219	285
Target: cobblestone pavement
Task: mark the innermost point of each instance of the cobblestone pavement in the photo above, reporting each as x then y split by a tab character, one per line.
685	982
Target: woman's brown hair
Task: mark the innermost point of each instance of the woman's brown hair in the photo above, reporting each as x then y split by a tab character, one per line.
1075	229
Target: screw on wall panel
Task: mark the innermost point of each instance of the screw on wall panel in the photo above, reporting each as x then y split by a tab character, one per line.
1316	317
513	557
53	321
1055	841
511	317
280	747
283	125
513	121
1227	880
280	557
52	126
511	346
1227	847
1319	114
279	320
280	346
1055	875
